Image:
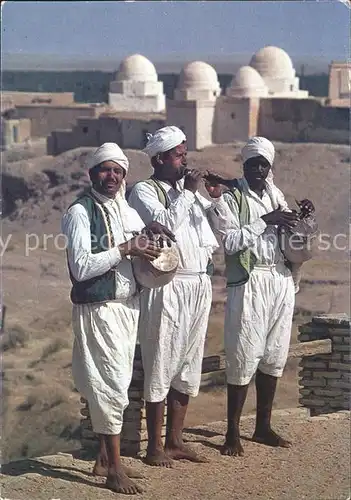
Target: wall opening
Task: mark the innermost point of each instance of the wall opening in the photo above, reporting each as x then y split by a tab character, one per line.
15	133
85	130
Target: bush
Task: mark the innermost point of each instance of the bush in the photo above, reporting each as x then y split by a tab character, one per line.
13	338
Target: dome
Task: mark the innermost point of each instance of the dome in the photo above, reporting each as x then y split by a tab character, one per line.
247	78
273	62
136	68
247	82
198	75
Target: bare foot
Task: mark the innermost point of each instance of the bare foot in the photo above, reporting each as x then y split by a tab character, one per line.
232	447
101	470
158	458
270	438
185	453
119	482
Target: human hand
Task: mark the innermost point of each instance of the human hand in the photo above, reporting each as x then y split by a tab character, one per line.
192	180
141	246
160	233
280	218
214	190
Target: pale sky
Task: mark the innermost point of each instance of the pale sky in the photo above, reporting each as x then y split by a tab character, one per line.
161	28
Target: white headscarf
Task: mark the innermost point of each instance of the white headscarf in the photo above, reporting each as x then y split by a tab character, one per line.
258	146
164	139
109	151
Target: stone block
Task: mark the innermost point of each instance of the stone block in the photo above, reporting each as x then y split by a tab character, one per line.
338	339
312	330
312	402
341	405
343	384
341	348
135	392
305	392
339	366
314	364
320	382
335	392
341	319
325	374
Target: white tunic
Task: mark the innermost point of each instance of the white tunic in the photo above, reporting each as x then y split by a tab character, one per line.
186	218
259	313
260	238
174	318
104	334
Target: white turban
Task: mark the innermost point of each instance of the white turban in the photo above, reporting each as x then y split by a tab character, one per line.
258	146
109	151
164	139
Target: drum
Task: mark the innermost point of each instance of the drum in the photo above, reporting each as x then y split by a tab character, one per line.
159	272
298	244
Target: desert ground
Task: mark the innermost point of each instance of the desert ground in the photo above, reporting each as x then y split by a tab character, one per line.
40	408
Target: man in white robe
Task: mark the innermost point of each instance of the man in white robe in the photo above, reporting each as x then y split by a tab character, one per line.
174	318
102	233
261	293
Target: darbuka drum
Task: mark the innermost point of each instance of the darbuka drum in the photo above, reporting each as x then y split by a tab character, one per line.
297	244
160	271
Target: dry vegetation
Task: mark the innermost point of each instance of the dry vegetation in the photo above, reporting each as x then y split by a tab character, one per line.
41	407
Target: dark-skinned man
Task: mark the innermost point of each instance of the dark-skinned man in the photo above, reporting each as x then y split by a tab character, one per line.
174	318
102	233
261	293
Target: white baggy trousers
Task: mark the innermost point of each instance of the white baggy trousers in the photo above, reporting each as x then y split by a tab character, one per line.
258	323
103	352
172	330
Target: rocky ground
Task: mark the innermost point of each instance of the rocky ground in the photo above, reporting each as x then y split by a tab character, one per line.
317	467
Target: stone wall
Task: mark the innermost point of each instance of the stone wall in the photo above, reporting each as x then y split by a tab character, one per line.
302	120
46	118
24	98
325	379
128	133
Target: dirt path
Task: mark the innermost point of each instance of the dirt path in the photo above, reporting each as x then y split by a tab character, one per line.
316	468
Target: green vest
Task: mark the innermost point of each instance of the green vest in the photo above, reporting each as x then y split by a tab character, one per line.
163	198
240	264
101	288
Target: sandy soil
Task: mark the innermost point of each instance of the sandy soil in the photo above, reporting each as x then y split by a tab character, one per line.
317	467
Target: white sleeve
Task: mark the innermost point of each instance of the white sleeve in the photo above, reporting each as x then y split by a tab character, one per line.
144	199
234	237
83	264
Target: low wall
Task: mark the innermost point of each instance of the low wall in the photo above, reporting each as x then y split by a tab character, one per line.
325	379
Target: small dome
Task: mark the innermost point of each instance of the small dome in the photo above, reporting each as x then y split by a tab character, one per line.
273	62
247	78
199	75
136	68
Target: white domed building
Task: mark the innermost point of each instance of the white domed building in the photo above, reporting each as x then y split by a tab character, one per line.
193	106
278	73
247	83
197	81
136	87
